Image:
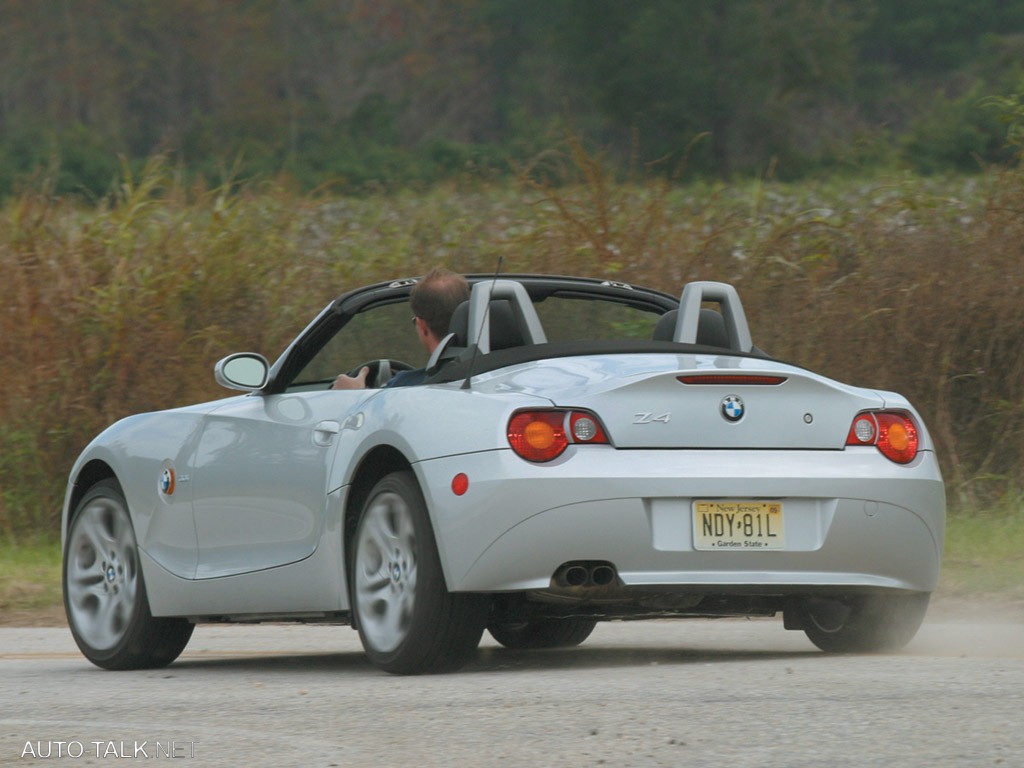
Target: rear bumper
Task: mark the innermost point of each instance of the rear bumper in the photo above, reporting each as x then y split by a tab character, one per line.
853	519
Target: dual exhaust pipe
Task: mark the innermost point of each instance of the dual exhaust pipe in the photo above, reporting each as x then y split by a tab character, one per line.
586	574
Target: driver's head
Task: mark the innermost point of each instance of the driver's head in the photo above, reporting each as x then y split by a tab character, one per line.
435	297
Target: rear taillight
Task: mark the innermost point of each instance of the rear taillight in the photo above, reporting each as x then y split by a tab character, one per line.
892	432
544	435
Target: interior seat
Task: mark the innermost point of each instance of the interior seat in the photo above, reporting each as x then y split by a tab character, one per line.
505	332
711	329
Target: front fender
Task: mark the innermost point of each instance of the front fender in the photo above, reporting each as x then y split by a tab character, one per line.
137	450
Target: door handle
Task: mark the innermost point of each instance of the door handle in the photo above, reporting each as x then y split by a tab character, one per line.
324	432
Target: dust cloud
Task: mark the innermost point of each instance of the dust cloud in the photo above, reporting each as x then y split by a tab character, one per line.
971	628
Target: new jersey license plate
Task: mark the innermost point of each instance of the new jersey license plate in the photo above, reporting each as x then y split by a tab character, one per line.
738	525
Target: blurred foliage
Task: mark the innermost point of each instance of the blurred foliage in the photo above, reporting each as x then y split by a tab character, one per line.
983	553
122	305
30	576
956	135
363	95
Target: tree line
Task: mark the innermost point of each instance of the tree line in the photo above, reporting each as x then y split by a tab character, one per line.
387	92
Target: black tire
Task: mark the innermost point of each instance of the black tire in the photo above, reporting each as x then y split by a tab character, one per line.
408	621
864	623
104	591
542	633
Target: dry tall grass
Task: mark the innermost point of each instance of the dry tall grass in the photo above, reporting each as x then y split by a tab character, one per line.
124	306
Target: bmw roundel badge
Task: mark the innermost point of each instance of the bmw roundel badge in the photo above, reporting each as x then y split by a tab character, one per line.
732	408
167	482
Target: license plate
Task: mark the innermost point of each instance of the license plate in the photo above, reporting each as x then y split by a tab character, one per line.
738	525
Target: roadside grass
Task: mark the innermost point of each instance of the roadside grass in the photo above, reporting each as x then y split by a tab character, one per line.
984	556
984	560
29	576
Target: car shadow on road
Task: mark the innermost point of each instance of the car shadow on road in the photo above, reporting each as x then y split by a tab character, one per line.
492	659
290	662
488	659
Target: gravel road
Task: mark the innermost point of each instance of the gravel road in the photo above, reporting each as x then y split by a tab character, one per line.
703	693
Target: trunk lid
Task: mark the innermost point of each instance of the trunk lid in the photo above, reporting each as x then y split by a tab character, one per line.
642	402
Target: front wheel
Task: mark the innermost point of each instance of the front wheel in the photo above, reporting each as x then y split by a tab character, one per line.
105	594
864	623
408	621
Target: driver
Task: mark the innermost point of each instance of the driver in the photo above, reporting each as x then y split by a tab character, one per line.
433	301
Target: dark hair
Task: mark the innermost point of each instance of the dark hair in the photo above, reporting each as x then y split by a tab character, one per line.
435	297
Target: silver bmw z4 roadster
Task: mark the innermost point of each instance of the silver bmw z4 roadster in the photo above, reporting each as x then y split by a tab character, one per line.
579	450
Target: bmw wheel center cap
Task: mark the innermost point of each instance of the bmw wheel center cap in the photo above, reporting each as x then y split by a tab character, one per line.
733	408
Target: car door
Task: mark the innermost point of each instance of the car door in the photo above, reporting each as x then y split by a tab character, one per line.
263	462
260	479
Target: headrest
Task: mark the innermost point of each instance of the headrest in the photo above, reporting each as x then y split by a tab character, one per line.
711	330
505	331
665	330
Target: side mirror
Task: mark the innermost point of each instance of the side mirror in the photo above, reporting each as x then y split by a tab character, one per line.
246	371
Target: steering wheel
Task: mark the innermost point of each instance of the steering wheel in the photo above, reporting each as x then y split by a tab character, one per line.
381	371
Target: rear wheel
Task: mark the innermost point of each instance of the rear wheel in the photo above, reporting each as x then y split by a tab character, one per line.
864	623
542	633
409	623
104	591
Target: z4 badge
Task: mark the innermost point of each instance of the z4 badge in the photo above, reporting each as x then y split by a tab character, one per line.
652	418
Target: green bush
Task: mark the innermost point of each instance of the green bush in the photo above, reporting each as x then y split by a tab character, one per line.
956	135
